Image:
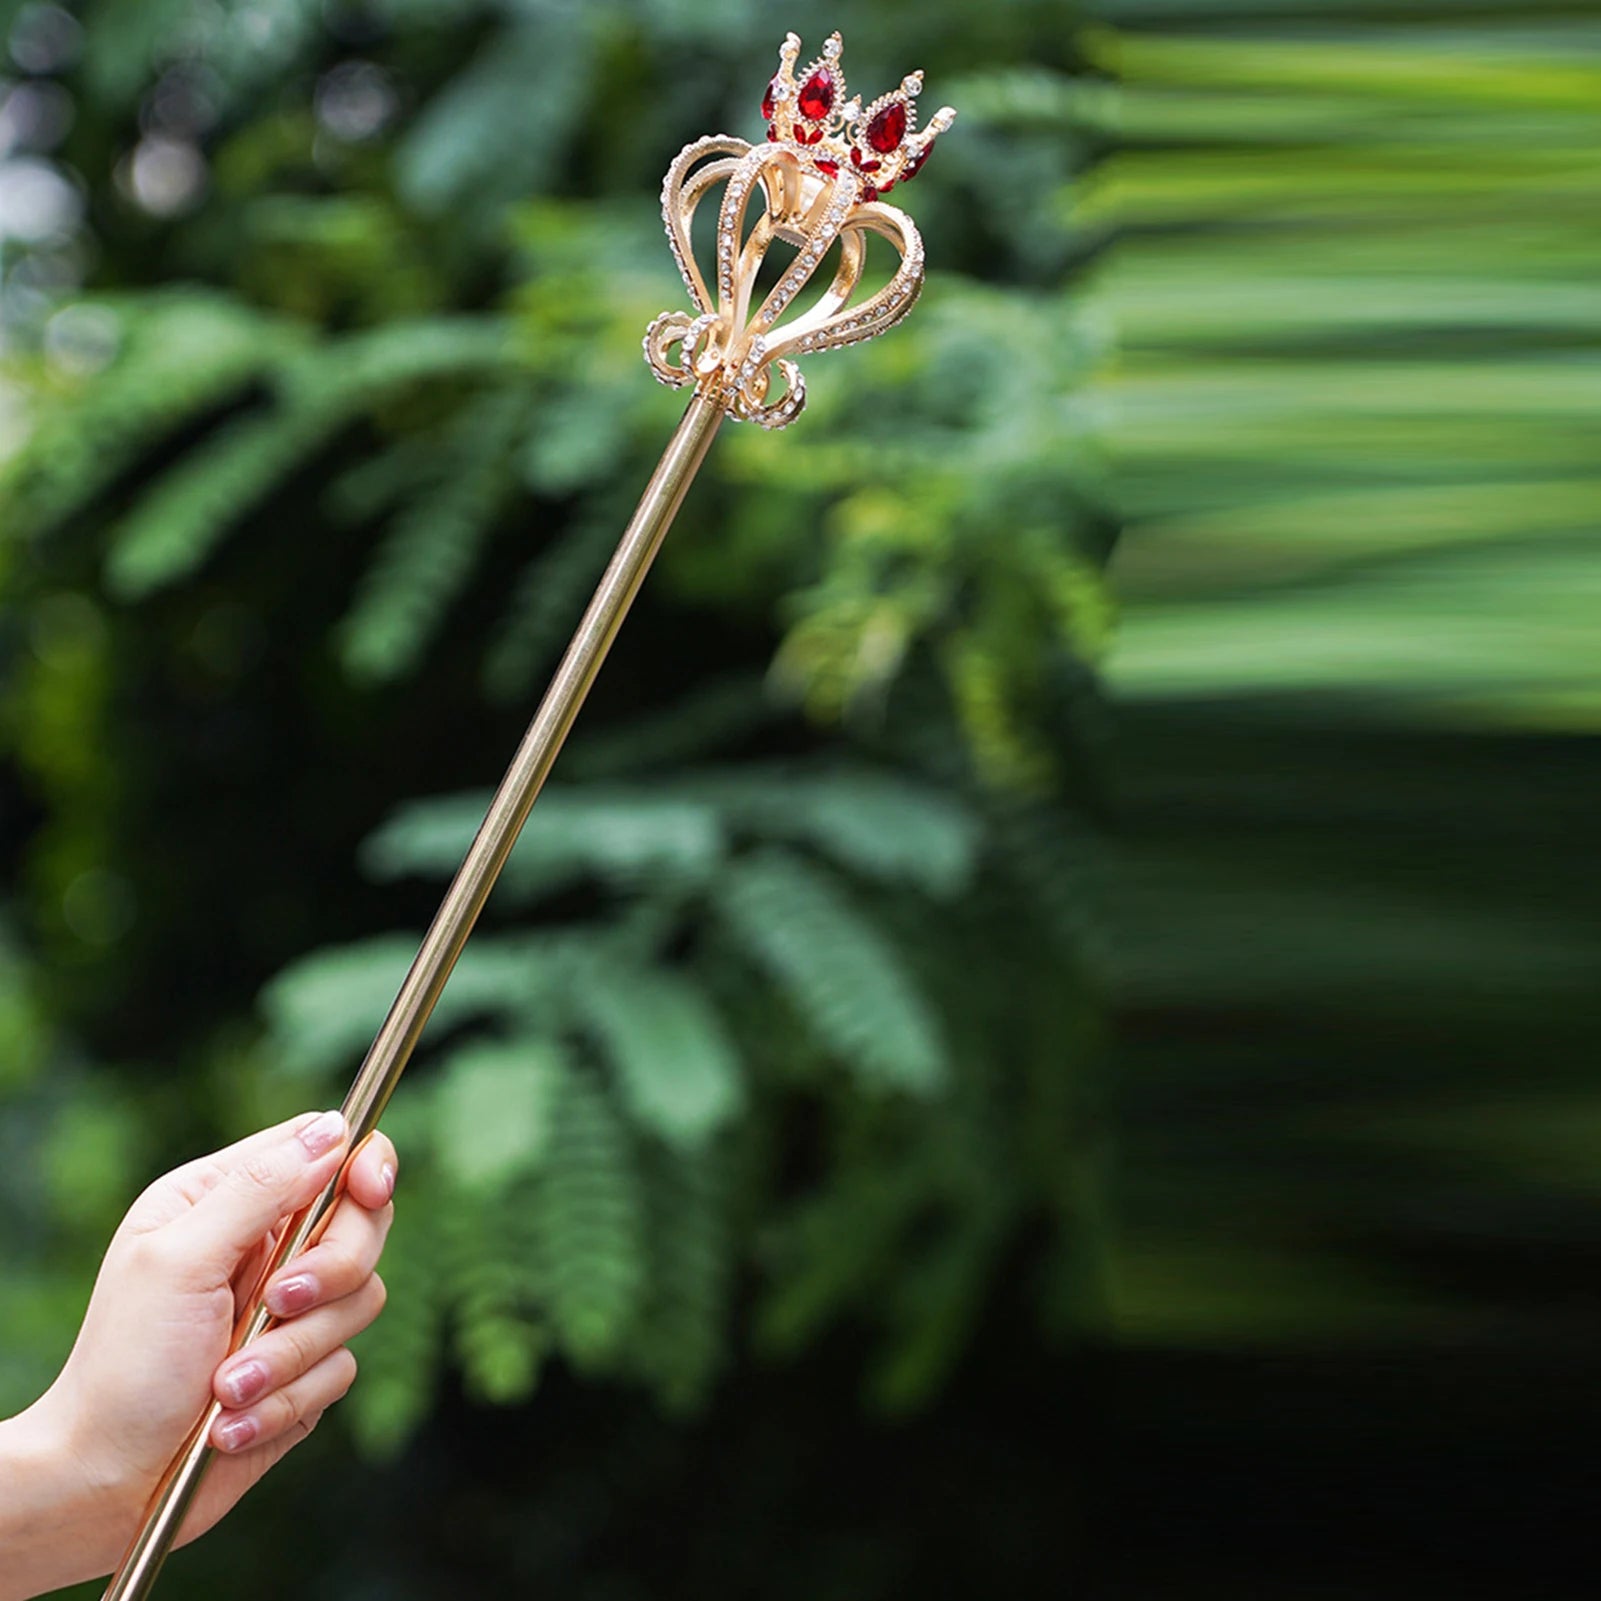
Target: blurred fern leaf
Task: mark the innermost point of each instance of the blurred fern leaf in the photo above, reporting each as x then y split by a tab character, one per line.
676	1068
588	1216
839	970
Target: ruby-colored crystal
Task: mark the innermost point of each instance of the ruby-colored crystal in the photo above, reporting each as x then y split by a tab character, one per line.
767	101
817	96
888	128
772	133
869	192
917	163
830	167
863	166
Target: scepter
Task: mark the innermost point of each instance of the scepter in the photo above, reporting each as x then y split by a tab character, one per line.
817	180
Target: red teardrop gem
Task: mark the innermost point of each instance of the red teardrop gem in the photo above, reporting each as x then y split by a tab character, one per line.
830	167
817	97
767	101
888	128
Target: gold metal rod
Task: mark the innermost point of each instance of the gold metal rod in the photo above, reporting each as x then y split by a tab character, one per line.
390	1051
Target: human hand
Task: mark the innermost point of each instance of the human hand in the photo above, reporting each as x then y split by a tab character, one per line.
151	1353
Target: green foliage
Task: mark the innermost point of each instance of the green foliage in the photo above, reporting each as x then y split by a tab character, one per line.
627	838
179	521
588	1217
495	1109
838	972
611	1073
679	1339
133	371
498	129
428	555
675	1067
397	1355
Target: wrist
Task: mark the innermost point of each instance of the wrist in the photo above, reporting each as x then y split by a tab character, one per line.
61	1520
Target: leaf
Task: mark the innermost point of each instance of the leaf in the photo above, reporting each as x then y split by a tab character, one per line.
676	1068
548	598
879	824
624	838
582	434
177	524
500	1338
399	1353
326	1007
845	978
494	131
680	1338
589	1223
494	1107
429	553
176	354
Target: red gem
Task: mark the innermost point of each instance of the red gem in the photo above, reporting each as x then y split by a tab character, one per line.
869	192
772	133
830	167
767	101
888	128
884	189
817	97
916	164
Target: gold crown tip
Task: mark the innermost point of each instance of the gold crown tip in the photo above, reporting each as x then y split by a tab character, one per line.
818	178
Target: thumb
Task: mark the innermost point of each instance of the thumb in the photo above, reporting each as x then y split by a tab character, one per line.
262	1178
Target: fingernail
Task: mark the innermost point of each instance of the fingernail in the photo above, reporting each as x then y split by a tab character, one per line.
289	1296
237	1433
323	1133
244	1383
387	1174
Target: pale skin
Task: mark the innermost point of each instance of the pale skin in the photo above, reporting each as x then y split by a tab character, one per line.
77	1468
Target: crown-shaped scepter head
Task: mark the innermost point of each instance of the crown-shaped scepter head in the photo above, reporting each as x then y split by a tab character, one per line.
819	179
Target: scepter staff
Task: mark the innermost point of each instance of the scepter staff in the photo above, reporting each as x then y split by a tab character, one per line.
817	180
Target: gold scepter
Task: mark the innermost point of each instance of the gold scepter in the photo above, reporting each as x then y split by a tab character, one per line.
817	180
